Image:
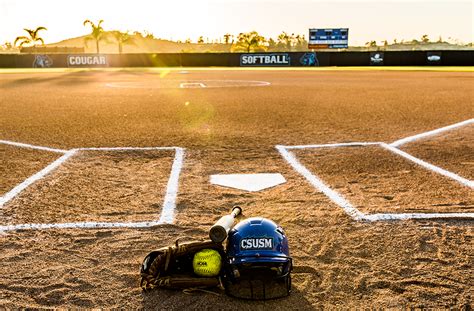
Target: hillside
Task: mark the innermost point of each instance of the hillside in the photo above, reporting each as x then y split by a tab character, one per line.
142	45
148	45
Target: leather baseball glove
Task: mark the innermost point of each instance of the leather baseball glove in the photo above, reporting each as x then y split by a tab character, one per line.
171	267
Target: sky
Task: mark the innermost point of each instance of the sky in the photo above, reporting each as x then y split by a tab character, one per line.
181	19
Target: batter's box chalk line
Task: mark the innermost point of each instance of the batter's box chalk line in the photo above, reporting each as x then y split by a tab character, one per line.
352	211
169	201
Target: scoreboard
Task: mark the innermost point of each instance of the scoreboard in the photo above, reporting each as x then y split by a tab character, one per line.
328	38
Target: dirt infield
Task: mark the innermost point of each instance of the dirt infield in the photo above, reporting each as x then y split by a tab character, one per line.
339	262
20	163
452	150
98	186
378	181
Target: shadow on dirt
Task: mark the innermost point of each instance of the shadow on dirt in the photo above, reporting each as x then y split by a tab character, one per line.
68	78
177	300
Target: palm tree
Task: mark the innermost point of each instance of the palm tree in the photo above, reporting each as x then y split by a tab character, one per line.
425	39
97	33
227	38
286	40
122	38
301	43
32	38
250	41
370	44
7	46
271	44
149	35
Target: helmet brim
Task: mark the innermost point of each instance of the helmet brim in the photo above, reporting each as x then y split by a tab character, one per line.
261	259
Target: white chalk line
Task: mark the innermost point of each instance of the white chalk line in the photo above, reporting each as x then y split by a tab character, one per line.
319	184
191	85
34	178
22	145
403	216
336	145
207	83
169	202
430	133
429	166
347	206
126	148
231	83
80	225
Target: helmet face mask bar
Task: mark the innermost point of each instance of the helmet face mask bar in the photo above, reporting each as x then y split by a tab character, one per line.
258	262
259	281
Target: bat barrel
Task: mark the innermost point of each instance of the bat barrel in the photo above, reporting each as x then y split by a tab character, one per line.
219	230
218	234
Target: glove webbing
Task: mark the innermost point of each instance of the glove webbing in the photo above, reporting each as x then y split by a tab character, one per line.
152	278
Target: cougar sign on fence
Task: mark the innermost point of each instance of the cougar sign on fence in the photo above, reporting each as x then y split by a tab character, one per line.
87	60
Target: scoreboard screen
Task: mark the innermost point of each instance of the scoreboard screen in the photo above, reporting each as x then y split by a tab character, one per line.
328	38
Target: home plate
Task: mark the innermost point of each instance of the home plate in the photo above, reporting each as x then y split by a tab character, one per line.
248	182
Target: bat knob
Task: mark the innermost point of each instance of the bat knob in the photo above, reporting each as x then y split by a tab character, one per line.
238	208
218	234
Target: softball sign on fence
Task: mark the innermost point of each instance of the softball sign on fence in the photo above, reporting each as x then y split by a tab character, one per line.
273	59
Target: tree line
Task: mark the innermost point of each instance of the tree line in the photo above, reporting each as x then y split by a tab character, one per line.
243	42
423	40
97	35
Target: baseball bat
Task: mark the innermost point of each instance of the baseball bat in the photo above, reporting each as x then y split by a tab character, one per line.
219	230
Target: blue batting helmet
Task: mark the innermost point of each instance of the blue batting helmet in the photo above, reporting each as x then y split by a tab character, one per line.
258	260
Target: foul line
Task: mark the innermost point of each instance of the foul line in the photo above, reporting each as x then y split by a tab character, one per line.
22	145
430	133
169	202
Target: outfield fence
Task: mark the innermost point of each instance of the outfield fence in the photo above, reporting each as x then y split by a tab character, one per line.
293	59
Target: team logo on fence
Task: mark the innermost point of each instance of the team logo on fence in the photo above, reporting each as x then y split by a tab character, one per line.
309	59
433	58
376	58
87	60
42	61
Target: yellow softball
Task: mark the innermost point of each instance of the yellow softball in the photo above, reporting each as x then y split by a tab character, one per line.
207	262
